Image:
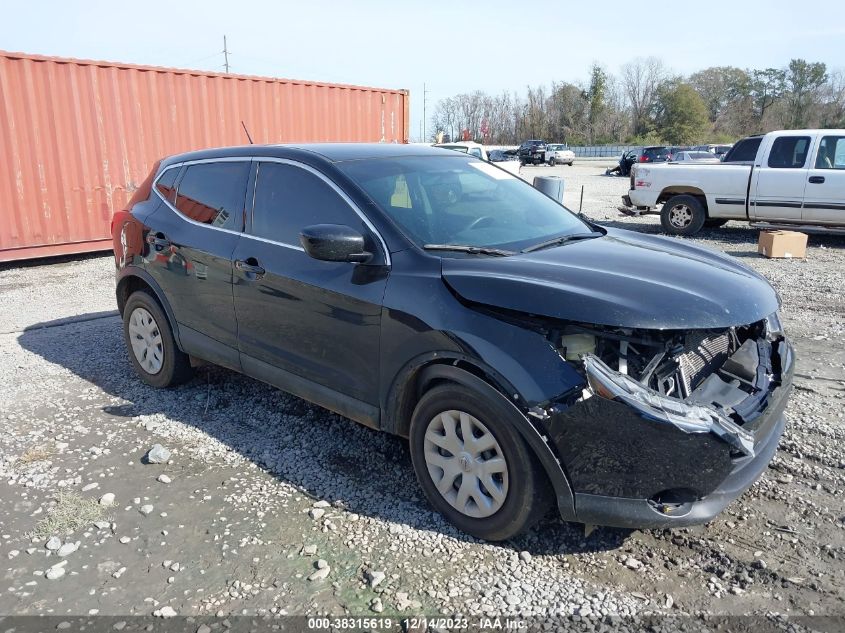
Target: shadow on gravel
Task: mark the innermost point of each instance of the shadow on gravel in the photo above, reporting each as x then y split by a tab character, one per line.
325	455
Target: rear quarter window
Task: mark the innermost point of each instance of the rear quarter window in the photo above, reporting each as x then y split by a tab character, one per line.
744	151
214	193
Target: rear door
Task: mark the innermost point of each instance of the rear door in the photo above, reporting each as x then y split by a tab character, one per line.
190	252
824	197
778	185
313	320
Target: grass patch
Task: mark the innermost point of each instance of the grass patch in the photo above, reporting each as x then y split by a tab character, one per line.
72	512
35	454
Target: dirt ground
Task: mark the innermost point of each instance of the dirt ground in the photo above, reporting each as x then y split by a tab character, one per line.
260	486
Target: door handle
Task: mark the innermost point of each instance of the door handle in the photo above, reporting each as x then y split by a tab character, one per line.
158	240
817	180
249	266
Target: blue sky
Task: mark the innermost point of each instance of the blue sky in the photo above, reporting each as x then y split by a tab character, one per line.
452	46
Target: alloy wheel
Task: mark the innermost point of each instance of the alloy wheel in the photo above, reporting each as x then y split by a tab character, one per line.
466	463
145	338
680	216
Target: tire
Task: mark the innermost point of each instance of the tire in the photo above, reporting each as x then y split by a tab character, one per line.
146	331
714	224
552	162
682	215
522	487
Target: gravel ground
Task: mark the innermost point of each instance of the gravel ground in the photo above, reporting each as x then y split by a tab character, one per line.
269	505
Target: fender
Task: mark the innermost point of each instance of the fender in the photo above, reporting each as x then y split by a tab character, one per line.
536	442
127	273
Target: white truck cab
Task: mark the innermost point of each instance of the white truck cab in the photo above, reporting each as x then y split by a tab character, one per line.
478	150
789	178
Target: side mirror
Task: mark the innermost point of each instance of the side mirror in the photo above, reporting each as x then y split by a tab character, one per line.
334	243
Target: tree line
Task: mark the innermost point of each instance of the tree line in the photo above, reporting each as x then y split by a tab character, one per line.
648	104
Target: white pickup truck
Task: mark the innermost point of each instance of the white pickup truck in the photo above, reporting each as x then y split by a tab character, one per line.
793	178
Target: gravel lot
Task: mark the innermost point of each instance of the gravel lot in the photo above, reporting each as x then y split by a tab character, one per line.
267	504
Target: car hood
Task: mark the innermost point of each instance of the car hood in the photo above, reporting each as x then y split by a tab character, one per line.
623	279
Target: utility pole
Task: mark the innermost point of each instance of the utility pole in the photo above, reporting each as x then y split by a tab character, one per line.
225	55
425	98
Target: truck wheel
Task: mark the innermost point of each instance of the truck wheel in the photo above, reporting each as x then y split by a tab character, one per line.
552	161
682	215
714	224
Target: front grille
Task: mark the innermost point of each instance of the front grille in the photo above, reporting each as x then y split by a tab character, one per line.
704	354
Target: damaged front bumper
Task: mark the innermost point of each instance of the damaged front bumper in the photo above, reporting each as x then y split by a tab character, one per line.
688	418
636	459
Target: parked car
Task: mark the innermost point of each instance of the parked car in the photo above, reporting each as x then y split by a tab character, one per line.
533	152
628	158
559	154
783	179
532	359
694	157
501	155
674	150
654	154
717	149
467	147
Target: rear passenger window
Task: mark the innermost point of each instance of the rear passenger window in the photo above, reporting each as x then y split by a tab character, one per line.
789	152
289	198
745	151
166	185
213	193
831	153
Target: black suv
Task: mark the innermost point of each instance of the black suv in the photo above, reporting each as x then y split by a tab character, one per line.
655	154
533	152
532	359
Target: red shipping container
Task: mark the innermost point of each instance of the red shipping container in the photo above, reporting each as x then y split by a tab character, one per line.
77	137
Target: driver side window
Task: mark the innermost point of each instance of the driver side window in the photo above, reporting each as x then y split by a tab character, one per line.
289	198
831	153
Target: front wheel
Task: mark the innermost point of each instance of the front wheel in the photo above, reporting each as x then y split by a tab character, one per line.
682	215
473	466
552	162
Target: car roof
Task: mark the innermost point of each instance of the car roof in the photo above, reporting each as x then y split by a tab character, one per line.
333	152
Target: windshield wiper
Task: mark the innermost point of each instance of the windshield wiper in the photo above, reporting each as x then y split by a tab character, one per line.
562	240
465	248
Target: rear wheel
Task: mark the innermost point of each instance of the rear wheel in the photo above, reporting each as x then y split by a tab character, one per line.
150	343
473	466
682	215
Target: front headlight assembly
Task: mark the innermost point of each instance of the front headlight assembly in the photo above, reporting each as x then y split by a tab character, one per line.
612	385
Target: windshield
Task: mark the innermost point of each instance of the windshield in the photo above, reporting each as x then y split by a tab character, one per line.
455	200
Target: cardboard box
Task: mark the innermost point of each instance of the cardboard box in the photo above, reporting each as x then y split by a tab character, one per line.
782	244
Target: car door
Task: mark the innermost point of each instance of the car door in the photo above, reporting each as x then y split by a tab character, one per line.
824	197
309	326
192	240
778	188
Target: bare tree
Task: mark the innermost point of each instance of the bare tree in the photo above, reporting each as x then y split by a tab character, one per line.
641	78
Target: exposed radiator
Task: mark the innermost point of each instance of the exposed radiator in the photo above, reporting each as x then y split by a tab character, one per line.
703	355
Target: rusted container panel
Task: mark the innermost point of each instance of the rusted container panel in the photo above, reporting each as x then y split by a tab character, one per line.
77	137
